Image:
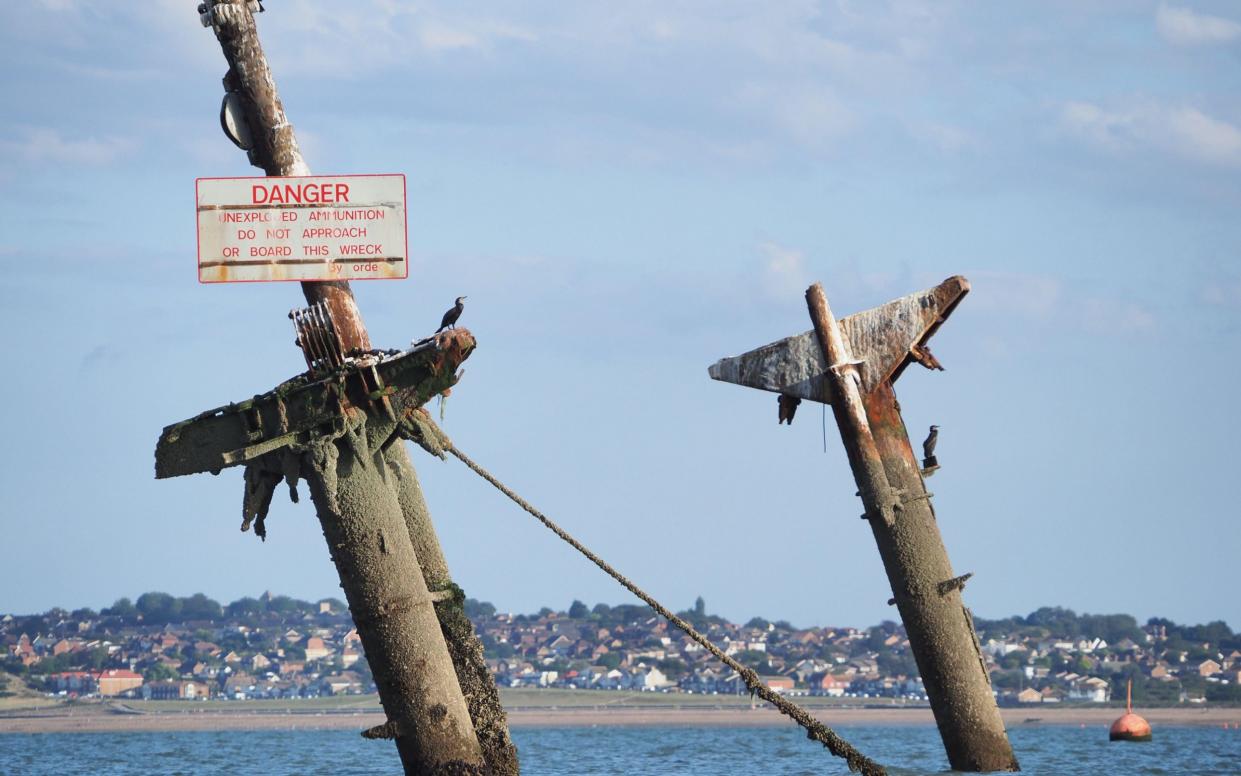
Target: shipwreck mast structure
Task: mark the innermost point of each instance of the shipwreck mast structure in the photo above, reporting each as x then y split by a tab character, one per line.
852	364
339	427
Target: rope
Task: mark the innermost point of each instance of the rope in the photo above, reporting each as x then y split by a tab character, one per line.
815	730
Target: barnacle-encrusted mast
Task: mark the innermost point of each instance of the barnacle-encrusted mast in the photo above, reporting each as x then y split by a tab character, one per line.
851	364
337	427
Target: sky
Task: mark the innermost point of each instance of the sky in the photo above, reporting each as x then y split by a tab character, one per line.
627	193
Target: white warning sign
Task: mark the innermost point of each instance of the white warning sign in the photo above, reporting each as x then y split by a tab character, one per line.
323	227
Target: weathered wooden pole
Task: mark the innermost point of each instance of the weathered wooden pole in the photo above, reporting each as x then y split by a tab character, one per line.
272	143
852	364
389	592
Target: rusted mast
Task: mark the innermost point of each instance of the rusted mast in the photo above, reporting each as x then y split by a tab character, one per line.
852	365
925	591
847	407
275	146
275	150
928	595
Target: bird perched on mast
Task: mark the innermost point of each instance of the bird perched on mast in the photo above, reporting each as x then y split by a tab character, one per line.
450	318
788	408
928	450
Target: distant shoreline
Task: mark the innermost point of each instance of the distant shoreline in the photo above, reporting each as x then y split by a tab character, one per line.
99	718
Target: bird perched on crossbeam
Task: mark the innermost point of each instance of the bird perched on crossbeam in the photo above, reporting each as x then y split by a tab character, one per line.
450	318
788	408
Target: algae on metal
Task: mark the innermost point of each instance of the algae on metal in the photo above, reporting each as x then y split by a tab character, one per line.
365	530
341	441
476	681
297	409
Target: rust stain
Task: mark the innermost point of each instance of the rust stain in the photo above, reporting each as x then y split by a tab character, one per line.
884	337
455	345
946	296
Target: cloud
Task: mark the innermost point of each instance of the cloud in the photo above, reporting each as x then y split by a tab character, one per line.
1225	293
1186	27
440	37
784	270
811	115
1115	316
107	73
437	36
99	356
944	137
754	82
642	81
1180	131
354	39
1028	295
48	145
1091	122
1205	138
1045	298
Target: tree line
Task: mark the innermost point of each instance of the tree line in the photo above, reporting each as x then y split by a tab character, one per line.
156	608
1112	628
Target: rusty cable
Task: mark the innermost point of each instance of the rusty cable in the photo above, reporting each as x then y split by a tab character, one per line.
815	730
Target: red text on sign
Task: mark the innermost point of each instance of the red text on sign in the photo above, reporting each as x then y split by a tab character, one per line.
299	193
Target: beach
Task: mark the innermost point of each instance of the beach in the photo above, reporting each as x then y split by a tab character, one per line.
138	716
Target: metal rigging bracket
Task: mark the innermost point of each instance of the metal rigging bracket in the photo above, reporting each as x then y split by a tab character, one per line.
212	11
317	337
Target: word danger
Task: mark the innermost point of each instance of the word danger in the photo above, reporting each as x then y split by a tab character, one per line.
320	228
298	193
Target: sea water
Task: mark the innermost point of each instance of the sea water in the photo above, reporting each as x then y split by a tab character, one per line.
635	751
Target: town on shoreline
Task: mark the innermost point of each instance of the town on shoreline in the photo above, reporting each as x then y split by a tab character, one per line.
161	647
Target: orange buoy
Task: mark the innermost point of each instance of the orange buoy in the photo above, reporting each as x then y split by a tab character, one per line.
1130	727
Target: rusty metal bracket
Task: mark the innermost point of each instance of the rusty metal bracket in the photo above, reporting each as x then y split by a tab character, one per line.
888	516
927	496
213	12
318	338
376	392
956	583
387	730
439	596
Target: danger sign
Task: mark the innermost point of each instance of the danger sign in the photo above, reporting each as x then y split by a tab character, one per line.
325	227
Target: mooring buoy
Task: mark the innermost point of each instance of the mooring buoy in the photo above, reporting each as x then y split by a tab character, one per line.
1130	727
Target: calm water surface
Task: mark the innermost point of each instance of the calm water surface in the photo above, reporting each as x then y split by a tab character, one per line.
907	751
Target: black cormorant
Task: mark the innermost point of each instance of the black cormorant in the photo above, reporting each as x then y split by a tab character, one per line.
450	317
928	447
788	408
